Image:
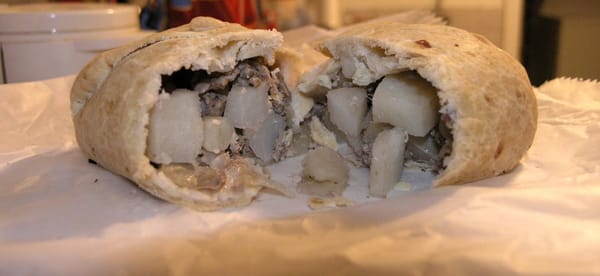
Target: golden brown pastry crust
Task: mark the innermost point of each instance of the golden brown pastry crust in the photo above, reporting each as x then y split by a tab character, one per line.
112	97
485	91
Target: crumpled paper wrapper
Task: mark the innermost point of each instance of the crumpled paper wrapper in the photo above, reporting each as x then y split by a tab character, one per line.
60	215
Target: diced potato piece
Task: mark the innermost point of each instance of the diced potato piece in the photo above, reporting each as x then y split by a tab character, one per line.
325	164
387	161
247	107
263	141
175	131
217	134
347	107
408	101
324	173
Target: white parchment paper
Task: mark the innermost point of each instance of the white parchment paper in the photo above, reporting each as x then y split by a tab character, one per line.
60	215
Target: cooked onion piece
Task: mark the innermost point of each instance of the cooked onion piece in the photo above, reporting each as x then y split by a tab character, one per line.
301	142
242	174
217	134
199	178
324	173
408	101
318	203
348	67
321	135
247	107
387	161
263	141
300	105
347	108
422	149
371	132
175	131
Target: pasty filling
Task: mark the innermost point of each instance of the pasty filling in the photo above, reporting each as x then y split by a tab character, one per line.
247	116
391	123
203	120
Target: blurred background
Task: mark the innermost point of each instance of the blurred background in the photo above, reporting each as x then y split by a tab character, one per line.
551	38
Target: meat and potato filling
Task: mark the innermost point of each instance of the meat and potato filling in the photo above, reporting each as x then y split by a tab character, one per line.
200	116
391	123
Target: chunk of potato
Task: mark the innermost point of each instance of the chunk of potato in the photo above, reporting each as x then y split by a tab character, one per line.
264	139
175	131
247	107
347	107
324	173
387	161
408	101
217	134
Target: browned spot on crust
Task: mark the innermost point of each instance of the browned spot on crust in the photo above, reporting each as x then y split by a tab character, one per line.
519	94
488	99
424	43
499	149
111	106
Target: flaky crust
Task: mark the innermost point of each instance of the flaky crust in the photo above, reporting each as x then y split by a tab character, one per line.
112	97
482	89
